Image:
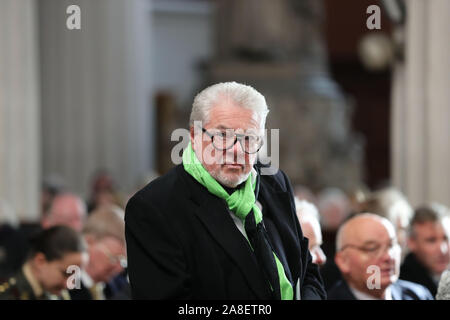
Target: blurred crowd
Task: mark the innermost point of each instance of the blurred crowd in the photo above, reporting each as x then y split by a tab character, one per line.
76	251
369	244
372	244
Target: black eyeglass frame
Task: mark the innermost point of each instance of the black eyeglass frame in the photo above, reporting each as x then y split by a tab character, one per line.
237	136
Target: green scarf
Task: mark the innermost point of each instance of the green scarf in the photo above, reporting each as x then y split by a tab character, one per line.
241	203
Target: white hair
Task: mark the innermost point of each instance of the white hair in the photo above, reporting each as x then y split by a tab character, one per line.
306	210
240	94
334	207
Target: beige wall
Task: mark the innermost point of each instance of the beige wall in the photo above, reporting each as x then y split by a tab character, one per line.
421	105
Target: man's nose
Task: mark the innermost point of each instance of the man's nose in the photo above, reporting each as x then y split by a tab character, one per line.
236	152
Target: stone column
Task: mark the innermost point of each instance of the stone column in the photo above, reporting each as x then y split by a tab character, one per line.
421	105
96	91
19	108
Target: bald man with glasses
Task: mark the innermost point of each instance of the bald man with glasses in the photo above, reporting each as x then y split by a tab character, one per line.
368	256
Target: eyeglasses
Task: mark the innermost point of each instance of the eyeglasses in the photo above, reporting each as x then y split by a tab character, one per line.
224	141
374	250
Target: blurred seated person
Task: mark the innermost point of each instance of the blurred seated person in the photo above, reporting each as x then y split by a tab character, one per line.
308	216
368	256
66	209
357	198
104	233
428	242
392	204
103	191
304	193
45	274
334	207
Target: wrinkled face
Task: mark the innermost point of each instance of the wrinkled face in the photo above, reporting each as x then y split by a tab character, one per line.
430	243
105	259
311	230
53	275
370	252
229	167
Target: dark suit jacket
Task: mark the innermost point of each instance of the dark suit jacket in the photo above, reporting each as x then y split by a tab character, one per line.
400	290
412	270
183	244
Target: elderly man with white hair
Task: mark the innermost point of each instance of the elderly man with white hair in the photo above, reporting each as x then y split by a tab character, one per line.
217	226
308	216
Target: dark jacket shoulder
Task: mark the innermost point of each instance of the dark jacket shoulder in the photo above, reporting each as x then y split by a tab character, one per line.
16	287
414	271
407	290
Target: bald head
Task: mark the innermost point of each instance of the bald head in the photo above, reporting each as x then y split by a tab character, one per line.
365	243
66	209
356	229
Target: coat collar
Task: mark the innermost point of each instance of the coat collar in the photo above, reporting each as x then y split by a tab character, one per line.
275	203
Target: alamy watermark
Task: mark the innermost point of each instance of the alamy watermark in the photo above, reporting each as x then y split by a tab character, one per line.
74	280
374	281
374	20
73	21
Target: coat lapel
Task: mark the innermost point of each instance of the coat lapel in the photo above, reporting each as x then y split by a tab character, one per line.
214	215
276	209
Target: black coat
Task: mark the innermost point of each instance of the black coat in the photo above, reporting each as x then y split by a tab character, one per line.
183	244
414	271
400	290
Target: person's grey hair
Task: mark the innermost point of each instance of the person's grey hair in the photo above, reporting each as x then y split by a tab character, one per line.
332	197
241	95
431	212
306	210
392	204
106	221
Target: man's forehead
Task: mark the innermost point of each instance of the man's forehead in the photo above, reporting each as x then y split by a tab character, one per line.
366	230
433	226
234	117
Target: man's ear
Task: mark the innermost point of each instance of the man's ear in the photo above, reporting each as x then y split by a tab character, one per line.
45	223
342	262
39	259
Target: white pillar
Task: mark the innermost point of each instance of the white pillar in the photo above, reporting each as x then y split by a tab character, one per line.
19	108
96	91
421	105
